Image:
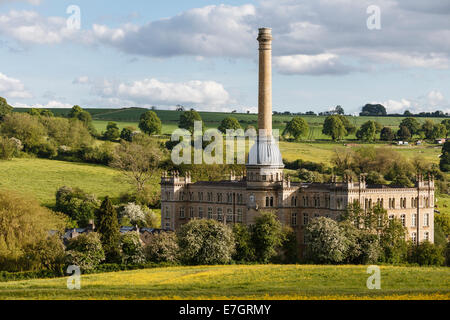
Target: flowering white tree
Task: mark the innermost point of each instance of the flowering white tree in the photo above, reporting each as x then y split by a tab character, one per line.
134	212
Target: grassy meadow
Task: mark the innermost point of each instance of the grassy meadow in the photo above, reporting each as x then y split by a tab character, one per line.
286	282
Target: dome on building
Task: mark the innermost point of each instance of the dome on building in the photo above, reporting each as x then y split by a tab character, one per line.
265	151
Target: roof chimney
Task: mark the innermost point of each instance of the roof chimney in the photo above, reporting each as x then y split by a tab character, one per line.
265	81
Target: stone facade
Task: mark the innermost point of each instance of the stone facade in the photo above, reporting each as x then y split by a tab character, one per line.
240	200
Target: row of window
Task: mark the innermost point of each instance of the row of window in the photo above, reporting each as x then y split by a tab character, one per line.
220	197
210	213
426	219
426	236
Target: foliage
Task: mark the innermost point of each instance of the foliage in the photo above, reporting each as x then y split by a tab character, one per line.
85	117
46	254
29	130
412	125
404	133
367	132
132	248
387	134
5	108
334	128
41	113
373	110
445	158
150	123
85	251
266	236
112	132
23	224
108	228
8	148
325	242
229	123
127	133
78	205
162	247
187	120
426	254
242	239
297	128
138	162
393	243
205	242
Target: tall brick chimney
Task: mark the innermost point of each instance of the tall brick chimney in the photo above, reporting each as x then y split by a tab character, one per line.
265	81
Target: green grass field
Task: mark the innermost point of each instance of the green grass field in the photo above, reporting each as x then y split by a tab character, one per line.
259	282
42	178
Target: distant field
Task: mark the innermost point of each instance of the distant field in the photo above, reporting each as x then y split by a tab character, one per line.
259	282
212	119
42	178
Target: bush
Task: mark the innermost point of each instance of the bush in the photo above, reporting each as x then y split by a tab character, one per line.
26	128
46	254
426	254
242	239
132	249
162	247
205	242
85	251
8	148
266	235
325	242
79	206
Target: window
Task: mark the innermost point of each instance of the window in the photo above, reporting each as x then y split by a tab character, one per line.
239	215
182	216
209	197
426	220
219	197
403	218
414	220
264	178
294	219
414	237
210	213
191	213
229	198
200	212
305	219
267	201
426	236
167	212
230	215
200	196
191	196
271	202
219	214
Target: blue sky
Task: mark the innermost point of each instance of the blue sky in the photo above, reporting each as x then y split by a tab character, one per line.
203	54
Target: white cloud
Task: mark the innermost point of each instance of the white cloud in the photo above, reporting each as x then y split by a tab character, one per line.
433	101
12	88
312	65
81	80
33	2
29	27
49	105
149	92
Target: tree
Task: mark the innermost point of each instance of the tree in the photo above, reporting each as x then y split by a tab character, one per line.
339	110
266	236
242	238
138	162
446	123
8	148
387	134
297	128
404	133
367	132
427	129
24	223
5	108
351	129
373	110
325	242
187	120
445	158
79	206
112	132
393	243
334	127
108	228
132	249
150	123
439	131
46	254
127	133
426	254
205	242
85	117
229	123
85	251
412	125
162	247
29	130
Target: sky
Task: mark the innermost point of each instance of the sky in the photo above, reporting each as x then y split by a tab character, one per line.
204	54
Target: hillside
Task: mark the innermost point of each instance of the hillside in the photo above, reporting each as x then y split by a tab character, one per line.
295	282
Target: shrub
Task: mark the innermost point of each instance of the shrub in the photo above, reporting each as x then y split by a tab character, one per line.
112	132
242	239
206	242
85	251
79	206
132	248
325	242
24	223
150	123
26	128
162	247
266	235
426	254
46	254
8	148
